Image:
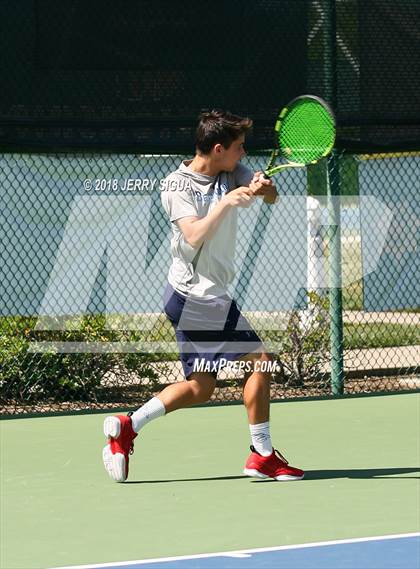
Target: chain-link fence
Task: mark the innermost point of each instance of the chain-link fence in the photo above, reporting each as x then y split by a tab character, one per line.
99	103
86	252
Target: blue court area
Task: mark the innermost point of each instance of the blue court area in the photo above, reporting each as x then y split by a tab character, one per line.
389	552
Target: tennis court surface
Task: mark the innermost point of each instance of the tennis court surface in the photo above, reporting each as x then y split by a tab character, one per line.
187	504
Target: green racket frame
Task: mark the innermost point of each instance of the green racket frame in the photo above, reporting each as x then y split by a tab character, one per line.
270	169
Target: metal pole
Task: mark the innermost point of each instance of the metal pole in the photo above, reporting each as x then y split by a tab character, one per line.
333	193
335	281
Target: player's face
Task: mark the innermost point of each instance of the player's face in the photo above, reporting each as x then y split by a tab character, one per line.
232	155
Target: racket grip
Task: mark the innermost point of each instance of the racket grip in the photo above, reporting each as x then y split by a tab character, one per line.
270	201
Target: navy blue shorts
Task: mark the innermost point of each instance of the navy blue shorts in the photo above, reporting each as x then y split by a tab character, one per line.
209	333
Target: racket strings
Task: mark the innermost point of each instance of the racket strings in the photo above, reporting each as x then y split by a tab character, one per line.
306	133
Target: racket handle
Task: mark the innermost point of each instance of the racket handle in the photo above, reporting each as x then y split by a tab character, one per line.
270	201
267	199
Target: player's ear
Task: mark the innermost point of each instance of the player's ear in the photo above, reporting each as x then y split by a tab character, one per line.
218	148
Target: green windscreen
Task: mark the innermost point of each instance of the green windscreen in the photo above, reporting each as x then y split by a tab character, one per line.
307	131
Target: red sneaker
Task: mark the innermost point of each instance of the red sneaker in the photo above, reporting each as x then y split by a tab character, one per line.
119	431
273	466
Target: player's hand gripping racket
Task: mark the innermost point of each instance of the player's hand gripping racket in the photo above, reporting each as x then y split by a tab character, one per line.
304	132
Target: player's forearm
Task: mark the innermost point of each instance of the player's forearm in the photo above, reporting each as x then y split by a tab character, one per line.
203	229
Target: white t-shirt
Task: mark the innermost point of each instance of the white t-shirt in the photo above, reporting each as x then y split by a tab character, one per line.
207	271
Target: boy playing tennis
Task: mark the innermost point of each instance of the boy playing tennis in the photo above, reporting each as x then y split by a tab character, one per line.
202	199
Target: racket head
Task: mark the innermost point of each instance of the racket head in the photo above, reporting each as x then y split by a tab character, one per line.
305	130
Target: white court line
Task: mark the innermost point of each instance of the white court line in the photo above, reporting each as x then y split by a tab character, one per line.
240	553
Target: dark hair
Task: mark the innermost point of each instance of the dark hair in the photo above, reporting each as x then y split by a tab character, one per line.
219	127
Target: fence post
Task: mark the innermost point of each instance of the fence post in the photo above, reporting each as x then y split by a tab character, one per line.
335	280
333	194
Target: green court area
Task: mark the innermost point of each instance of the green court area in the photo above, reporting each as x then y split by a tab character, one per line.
186	493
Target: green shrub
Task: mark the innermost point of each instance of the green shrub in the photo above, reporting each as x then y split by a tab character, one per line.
29	376
305	345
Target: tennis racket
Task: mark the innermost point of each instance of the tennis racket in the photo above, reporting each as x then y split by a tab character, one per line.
304	133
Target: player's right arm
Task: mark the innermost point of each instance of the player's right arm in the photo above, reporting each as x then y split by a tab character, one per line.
196	230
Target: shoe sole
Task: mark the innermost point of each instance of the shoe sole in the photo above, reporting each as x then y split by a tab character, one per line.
112	427
114	464
254	473
282	478
288	478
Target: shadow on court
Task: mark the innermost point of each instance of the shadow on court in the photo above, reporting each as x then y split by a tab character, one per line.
185	480
358	474
309	475
361	473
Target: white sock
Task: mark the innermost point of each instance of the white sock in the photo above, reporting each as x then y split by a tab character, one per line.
261	440
151	410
